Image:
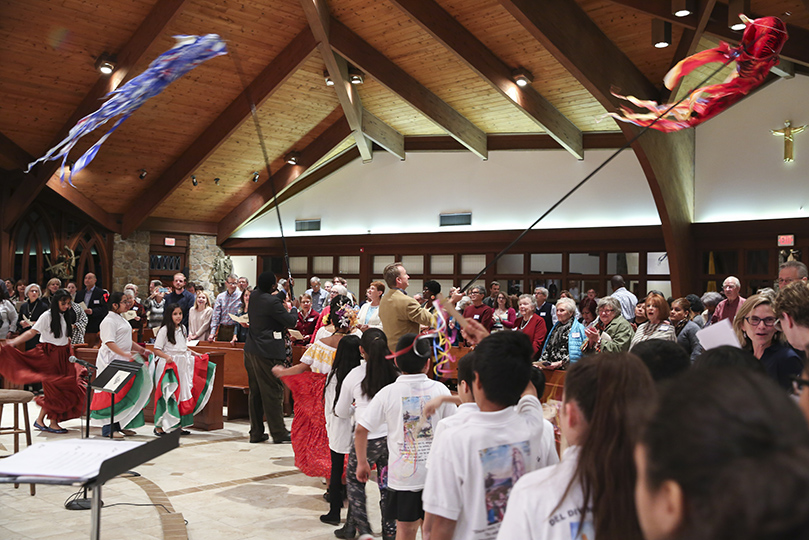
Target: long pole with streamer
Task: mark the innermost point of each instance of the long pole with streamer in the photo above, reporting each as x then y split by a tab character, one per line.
597	169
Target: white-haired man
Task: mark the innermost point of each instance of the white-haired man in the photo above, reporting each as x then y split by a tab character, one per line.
728	307
320	296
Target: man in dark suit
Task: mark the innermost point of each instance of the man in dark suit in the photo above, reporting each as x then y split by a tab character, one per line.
96	301
545	309
263	349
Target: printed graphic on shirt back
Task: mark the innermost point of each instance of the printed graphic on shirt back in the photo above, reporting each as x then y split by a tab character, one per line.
502	466
582	531
418	435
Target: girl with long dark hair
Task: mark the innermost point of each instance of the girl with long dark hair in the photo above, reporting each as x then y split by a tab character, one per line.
183	378
358	388
48	363
725	455
346	358
593	487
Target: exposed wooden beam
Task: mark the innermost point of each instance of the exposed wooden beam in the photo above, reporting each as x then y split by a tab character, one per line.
667	159
309	180
689	42
395	79
513	141
130	54
272	77
13	155
383	135
796	48
256	201
180	226
455	37
318	16
85	204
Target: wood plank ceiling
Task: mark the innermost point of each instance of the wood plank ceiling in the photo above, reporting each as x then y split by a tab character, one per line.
432	68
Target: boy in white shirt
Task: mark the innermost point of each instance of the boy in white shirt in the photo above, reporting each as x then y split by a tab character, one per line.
465	400
400	406
474	465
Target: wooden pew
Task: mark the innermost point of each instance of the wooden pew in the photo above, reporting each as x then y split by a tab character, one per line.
209	418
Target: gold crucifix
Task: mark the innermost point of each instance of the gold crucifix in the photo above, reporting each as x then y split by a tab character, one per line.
788	132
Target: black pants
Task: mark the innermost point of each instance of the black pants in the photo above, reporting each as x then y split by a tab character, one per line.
336	483
266	397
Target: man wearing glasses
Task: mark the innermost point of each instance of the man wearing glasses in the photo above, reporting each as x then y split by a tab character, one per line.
792	310
792	271
227	303
479	311
728	307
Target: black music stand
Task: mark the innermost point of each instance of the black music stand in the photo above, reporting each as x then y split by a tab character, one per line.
112	379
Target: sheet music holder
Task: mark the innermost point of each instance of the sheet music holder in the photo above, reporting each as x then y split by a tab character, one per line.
113	377
107	469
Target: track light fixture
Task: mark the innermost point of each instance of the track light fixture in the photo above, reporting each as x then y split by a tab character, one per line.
683	8
70	164
522	77
194	180
142	174
327	78
661	33
106	63
216	181
355	76
735	8
292	157
255	176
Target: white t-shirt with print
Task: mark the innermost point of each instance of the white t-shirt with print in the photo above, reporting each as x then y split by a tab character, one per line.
43	326
476	463
400	406
456	419
532	512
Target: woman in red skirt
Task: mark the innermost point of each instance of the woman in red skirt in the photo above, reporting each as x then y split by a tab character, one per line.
48	363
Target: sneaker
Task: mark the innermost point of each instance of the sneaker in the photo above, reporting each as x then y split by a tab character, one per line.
347	532
330	519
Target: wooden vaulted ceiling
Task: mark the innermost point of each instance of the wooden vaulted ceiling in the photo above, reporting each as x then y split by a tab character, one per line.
439	68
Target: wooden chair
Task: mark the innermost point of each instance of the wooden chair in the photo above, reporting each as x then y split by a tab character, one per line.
17	398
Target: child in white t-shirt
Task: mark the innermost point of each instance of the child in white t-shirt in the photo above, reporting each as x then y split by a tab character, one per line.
400	406
475	463
575	500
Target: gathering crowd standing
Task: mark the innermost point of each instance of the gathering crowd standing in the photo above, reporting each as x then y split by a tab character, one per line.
654	438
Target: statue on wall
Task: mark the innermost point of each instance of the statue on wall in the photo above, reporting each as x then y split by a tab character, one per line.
222	268
788	132
63	266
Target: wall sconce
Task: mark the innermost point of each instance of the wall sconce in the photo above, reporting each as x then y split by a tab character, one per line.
106	63
216	181
142	174
661	33
735	7
293	157
683	8
255	176
522	77
327	78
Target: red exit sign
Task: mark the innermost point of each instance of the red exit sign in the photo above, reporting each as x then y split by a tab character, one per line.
786	240
172	241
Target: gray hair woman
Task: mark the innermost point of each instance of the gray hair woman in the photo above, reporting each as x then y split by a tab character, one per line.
531	324
612	333
565	340
710	300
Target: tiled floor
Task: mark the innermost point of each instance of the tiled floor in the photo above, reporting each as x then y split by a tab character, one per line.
223	487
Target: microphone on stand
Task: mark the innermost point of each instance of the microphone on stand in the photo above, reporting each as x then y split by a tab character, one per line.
79	361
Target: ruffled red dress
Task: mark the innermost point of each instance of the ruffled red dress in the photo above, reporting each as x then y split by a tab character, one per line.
310	441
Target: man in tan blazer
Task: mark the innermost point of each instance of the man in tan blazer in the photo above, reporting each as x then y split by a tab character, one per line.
400	314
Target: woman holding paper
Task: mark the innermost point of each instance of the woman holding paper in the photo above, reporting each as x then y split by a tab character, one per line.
116	339
49	364
183	381
240	334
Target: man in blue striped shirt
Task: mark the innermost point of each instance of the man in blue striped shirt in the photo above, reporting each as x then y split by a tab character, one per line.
227	303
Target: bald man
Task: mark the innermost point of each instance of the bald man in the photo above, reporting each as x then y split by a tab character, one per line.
95	299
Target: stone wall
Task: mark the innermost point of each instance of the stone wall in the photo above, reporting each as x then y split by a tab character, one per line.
202	250
130	262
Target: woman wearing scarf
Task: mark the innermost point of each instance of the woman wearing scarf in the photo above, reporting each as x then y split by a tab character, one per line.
564	342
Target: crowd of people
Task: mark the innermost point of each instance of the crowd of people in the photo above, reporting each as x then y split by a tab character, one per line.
665	440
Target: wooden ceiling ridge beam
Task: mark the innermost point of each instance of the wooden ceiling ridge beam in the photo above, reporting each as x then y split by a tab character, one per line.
318	15
271	78
21	158
128	56
796	48
466	46
332	136
667	159
388	74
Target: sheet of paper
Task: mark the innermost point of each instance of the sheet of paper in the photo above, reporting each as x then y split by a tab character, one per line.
294	334
116	381
82	305
129	315
192	342
242	319
71	458
718	334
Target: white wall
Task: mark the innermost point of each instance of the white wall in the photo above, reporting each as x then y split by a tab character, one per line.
245	266
508	191
740	171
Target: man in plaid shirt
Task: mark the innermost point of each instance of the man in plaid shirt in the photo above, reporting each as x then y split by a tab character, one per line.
227	303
